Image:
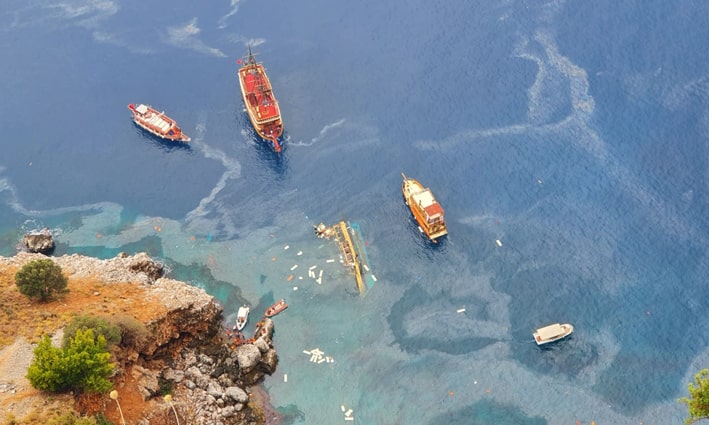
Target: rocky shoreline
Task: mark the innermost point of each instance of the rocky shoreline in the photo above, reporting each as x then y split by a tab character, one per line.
209	376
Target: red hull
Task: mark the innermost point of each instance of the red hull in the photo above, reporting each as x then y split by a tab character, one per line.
276	308
260	102
157	123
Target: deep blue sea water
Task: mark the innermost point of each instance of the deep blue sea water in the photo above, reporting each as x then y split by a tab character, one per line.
573	132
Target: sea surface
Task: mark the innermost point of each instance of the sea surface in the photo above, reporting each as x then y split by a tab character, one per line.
566	140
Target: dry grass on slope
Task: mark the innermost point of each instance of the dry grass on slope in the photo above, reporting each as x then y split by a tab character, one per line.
23	322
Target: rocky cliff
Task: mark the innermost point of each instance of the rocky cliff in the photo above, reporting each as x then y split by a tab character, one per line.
185	351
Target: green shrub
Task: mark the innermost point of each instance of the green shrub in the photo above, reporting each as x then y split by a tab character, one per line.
133	332
41	279
82	366
45	372
98	325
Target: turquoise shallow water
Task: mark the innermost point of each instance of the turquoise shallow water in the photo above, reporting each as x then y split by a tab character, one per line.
574	136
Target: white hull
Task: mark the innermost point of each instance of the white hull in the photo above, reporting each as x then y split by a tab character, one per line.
552	333
242	317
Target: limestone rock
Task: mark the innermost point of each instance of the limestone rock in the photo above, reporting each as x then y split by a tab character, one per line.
142	263
269	361
247	356
147	381
236	394
39	242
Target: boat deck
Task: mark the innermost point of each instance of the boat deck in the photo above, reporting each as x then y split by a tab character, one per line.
259	94
158	122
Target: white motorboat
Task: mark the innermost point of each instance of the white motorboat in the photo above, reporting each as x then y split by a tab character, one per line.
241	317
552	333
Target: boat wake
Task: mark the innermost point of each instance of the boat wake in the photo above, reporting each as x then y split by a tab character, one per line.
322	134
232	172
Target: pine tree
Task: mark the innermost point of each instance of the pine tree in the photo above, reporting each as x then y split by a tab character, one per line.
40	279
83	365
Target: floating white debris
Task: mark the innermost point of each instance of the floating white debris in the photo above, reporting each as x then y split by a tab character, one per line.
349	418
498	242
365	267
294	267
348	413
300	277
331	260
316	355
285	377
320	273
460	310
295	288
306	352
329	359
312	267
374	278
342	406
286	247
319	281
311	274
321	360
300	253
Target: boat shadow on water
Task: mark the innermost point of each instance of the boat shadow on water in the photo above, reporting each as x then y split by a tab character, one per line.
420	238
165	145
276	161
568	356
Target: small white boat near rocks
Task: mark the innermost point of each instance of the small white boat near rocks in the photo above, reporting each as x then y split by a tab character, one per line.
241	317
552	333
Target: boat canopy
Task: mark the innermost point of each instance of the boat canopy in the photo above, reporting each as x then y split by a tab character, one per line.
424	198
434	211
551	331
141	109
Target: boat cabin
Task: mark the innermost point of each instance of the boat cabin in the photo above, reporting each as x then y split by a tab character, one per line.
552	333
141	109
427	204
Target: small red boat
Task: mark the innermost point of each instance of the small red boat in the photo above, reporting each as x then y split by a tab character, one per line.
260	103
276	308
157	123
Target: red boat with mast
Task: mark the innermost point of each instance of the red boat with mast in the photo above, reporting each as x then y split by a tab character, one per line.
259	100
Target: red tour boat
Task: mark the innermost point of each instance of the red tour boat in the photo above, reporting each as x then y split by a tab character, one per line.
157	123
276	308
260	103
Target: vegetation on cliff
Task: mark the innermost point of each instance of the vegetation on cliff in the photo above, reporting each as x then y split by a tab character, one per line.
82	365
41	279
170	343
698	400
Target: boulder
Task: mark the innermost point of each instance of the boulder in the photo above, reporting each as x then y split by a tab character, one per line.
236	394
146	380
142	263
247	356
39	242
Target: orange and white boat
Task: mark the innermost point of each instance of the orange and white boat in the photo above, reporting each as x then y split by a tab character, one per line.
276	308
259	100
157	123
426	210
